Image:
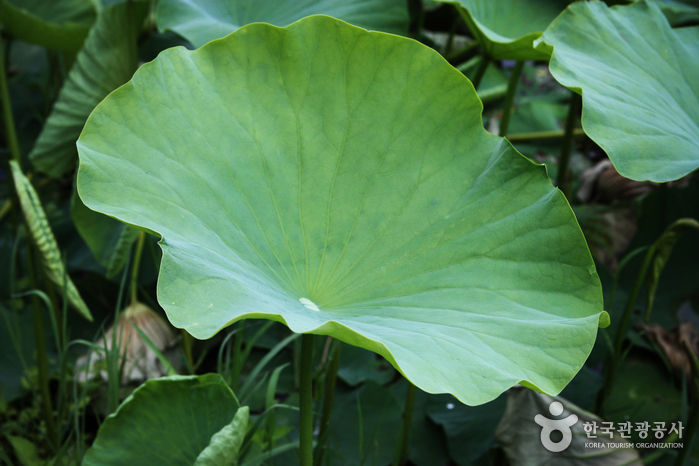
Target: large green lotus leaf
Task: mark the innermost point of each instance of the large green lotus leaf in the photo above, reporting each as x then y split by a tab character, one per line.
202	21
341	181
170	421
638	79
506	29
108	60
56	24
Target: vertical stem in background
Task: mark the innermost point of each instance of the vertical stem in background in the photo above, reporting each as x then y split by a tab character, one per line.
306	401
57	314
10	132
112	355
187	341
328	398
614	357
420	21
631	303
450	39
42	357
567	147
401	454
480	72
510	98
238	356
137	266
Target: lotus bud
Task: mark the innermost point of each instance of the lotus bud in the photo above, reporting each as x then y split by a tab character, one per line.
140	361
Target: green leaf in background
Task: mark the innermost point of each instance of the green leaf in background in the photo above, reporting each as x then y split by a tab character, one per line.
25	451
661	251
55	24
108	60
109	240
638	79
170	421
363	426
206	20
470	430
45	242
506	29
225	444
644	392
679	12
428	444
359	365
341	182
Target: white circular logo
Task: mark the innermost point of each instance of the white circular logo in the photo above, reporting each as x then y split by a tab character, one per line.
561	425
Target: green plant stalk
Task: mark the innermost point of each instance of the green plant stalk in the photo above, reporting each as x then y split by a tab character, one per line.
187	342
480	71
617	273
5	208
492	94
631	302
420	22
462	51
62	345
42	357
613	359
567	147
238	356
63	393
466	66
297	364
136	267
694	413
10	131
113	357
15	271
450	39
401	454
306	401
223	360
51	293
328	398
510	98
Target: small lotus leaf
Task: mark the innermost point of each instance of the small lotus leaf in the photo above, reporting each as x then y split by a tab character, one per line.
206	20
638	79
172	421
56	24
507	29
